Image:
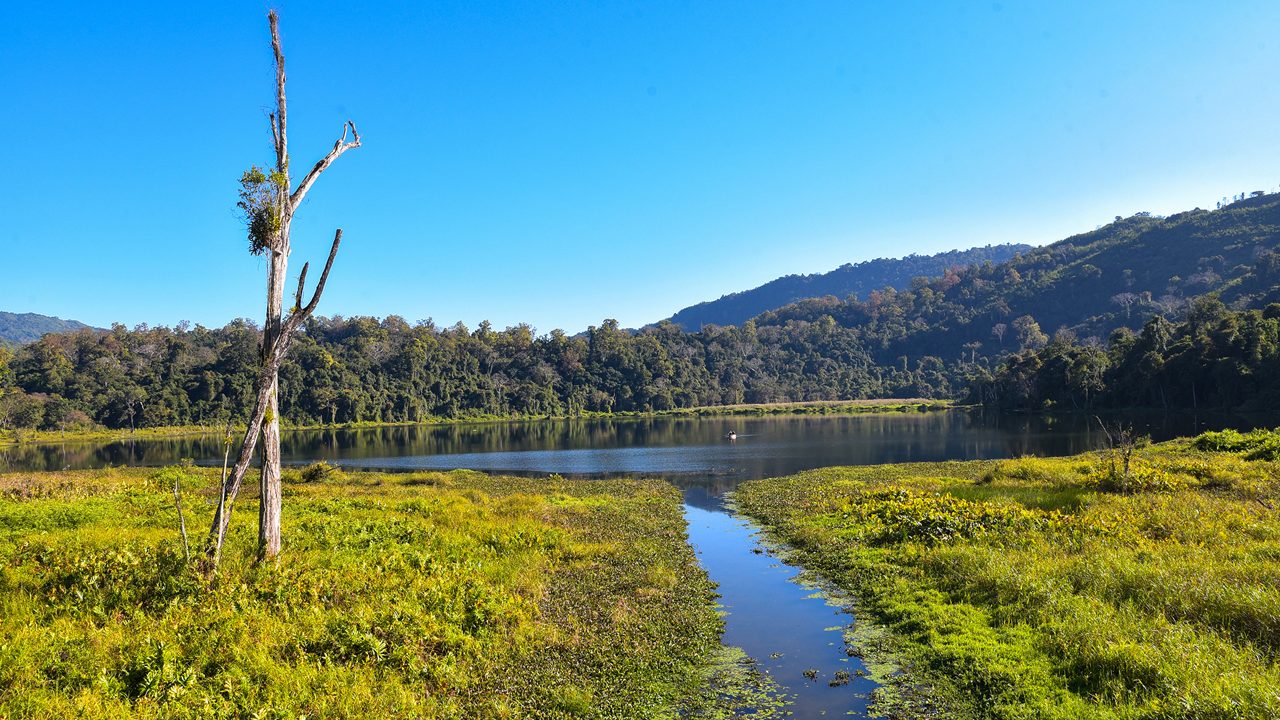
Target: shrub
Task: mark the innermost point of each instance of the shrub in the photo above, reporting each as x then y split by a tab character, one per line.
1141	477
321	472
1258	444
106	580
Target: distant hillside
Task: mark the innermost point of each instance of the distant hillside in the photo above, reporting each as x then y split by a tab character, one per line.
846	280
20	328
1090	284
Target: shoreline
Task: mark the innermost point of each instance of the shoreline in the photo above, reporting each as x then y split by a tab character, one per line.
811	407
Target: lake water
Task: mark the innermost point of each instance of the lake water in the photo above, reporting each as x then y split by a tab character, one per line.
780	623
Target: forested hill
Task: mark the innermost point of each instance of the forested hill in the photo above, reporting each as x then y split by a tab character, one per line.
1117	276
846	280
365	369
1214	357
16	329
972	326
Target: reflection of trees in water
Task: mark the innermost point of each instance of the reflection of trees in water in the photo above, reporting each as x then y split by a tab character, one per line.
767	446
78	455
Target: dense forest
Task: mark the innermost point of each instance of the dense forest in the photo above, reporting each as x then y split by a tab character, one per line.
1215	357
366	370
849	279
1183	281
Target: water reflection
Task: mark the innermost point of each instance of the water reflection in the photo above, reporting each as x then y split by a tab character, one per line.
681	447
779	622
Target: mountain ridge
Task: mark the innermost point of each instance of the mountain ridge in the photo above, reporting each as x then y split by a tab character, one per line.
849	279
1089	284
22	328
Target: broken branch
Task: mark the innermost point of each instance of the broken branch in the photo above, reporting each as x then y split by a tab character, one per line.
302	281
282	142
339	147
302	313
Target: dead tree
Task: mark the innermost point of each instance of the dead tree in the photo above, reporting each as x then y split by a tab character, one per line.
269	202
1122	442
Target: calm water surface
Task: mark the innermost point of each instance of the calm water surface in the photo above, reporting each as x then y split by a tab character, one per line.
779	622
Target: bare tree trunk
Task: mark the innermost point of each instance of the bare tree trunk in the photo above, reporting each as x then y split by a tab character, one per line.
219	527
266	405
264	423
231	483
182	520
270	499
269	491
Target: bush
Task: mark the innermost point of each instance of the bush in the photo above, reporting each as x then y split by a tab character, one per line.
1258	444
1141	477
1035	471
321	472
102	581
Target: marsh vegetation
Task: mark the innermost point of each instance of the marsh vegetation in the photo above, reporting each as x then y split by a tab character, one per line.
424	595
1053	588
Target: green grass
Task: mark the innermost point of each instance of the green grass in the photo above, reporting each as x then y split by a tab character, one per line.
429	595
1027	589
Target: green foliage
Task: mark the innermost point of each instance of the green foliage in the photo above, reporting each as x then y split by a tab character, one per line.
1034	472
1256	444
1139	477
426	595
321	472
1019	589
21	328
1215	358
358	370
1117	276
896	515
261	202
983	327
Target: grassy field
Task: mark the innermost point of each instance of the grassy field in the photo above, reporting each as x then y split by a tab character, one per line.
1055	588
429	595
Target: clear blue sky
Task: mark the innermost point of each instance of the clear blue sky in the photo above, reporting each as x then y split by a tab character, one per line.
558	163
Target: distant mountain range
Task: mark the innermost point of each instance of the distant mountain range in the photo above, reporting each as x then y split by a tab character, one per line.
22	328
849	279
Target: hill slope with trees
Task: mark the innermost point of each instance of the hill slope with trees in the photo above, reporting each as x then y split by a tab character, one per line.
1119	275
19	328
1214	357
846	280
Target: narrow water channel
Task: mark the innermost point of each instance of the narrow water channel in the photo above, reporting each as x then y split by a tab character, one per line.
786	628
